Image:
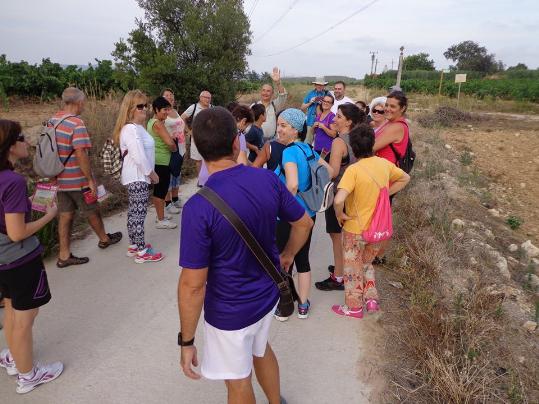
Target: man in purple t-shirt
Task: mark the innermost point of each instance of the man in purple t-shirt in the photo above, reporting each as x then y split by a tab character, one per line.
220	271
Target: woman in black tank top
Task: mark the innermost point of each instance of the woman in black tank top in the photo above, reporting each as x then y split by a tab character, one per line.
341	156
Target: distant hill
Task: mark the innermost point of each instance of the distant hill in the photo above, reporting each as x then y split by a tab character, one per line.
331	79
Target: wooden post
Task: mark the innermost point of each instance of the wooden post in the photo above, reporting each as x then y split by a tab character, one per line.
401	62
440	87
458	96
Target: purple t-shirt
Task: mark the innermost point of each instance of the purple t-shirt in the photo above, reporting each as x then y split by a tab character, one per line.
204	173
321	139
238	290
14	199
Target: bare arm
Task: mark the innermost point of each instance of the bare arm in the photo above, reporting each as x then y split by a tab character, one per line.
330	169
399	184
242	158
298	236
331	131
159	128
191	291
262	157
85	167
338	205
291	175
18	230
392	134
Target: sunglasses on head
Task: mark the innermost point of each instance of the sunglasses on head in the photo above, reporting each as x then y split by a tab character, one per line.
142	107
20	138
378	111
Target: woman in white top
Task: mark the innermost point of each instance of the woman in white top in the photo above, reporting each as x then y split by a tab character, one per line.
138	150
175	127
376	111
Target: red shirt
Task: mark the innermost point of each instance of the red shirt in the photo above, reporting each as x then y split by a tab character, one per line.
386	152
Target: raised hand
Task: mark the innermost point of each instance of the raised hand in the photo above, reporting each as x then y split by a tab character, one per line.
276	75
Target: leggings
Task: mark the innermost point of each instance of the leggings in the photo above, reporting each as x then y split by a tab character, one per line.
138	196
302	257
359	282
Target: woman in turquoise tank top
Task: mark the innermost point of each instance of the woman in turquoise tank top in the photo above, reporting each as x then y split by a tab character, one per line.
164	145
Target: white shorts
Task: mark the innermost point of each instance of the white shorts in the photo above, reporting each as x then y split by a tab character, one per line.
228	355
195	155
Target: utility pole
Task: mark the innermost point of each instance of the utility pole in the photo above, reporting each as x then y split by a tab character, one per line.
401	62
392	61
373	55
375	66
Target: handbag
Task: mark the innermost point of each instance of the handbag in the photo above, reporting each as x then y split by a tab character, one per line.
283	280
176	161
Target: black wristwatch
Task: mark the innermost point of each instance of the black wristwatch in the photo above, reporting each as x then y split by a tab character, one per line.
184	343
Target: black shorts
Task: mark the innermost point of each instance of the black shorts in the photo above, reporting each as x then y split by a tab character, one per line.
332	225
26	285
160	189
302	257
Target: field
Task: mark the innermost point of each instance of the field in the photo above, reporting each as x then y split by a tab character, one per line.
452	327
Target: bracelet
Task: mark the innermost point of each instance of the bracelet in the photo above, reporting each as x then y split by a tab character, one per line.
182	343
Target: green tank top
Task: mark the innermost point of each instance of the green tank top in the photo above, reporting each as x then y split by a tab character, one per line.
162	152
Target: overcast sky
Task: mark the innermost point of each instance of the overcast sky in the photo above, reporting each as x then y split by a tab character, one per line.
84	30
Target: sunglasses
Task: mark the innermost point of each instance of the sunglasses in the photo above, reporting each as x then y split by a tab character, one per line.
20	138
142	107
378	111
327	101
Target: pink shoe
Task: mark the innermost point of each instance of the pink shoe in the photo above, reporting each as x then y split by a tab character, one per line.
343	310
148	255
372	306
132	250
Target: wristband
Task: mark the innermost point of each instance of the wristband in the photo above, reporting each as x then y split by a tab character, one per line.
181	342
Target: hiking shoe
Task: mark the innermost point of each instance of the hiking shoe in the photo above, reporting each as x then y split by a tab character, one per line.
132	250
148	255
343	310
165	224
329	284
7	362
279	316
40	374
113	239
372	306
72	260
171	208
303	309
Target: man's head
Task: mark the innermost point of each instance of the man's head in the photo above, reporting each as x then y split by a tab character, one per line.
259	113
320	84
215	134
266	93
205	98
74	98
338	89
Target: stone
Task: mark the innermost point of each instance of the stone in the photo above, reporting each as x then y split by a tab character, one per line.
448	147
530	251
457	224
513	247
489	233
513	261
521	359
530	326
502	266
522	185
534	280
494	212
397	285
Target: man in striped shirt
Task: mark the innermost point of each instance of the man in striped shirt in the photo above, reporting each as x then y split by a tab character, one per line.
73	143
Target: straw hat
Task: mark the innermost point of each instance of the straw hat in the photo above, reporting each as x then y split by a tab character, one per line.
320	80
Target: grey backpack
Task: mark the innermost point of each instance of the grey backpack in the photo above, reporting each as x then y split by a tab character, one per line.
47	162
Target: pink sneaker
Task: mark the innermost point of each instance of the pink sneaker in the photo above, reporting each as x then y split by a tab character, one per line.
343	310
372	306
7	362
132	250
148	255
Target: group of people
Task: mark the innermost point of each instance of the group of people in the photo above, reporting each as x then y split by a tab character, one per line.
256	159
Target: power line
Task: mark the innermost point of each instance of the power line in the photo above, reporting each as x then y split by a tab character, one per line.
255	2
323	32
277	21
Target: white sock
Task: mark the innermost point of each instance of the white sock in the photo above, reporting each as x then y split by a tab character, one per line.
338	279
29	375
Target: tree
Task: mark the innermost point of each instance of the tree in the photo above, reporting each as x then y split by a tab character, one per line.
187	45
418	62
519	66
470	56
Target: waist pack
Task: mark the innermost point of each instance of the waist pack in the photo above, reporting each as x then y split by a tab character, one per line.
47	162
283	280
11	251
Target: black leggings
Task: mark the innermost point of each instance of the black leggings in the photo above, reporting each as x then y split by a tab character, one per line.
160	189
302	257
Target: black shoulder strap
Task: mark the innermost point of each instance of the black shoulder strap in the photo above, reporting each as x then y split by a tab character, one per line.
246	235
194	110
395	152
55	126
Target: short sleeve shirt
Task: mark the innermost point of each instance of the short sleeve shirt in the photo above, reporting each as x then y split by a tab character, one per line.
363	191
71	135
238	290
297	153
311	111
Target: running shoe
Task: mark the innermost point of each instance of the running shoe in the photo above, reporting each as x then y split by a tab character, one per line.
132	250
303	309
40	374
171	208
177	203
148	255
165	217
279	316
165	224
331	268
329	284
343	310
372	306
7	362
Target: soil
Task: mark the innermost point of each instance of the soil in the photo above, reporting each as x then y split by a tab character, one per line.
30	115
504	148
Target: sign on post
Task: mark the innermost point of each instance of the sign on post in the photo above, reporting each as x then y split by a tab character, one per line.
459	78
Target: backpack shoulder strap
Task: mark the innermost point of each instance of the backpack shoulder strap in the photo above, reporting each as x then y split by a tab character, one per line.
194	110
251	242
62	120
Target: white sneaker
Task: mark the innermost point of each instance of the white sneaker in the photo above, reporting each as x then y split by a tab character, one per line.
7	362
165	224
40	374
165	217
171	208
178	204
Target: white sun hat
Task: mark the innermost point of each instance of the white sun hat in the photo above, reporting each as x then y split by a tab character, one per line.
320	80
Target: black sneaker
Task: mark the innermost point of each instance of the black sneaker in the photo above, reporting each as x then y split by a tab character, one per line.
331	268
329	284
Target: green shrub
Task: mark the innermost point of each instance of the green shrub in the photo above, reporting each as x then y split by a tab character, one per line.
514	222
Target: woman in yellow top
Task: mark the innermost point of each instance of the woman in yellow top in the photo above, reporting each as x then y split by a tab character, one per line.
357	196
